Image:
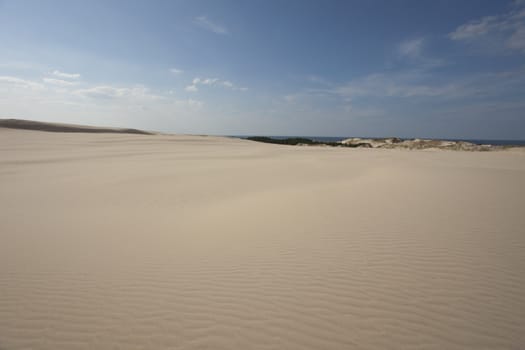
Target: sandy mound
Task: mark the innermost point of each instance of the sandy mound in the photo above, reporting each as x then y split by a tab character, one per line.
57	127
394	142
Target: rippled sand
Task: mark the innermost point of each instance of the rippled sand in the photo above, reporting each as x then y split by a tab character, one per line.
182	242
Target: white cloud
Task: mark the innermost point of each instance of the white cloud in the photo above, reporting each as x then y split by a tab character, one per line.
20	83
474	28
129	106
291	98
517	40
206	23
194	104
111	92
213	82
506	31
191	88
63	75
416	84
413	51
403	84
317	79
209	81
176	71
21	65
190	103
411	48
100	92
59	82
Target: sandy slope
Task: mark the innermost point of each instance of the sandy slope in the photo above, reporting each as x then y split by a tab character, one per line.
59	127
112	241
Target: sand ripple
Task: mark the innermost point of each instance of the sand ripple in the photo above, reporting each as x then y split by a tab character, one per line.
226	245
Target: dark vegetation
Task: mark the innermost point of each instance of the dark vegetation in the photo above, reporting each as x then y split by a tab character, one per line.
294	141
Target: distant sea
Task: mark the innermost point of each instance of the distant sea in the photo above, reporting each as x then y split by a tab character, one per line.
340	138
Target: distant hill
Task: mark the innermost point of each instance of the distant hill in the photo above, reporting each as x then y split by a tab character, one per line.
58	127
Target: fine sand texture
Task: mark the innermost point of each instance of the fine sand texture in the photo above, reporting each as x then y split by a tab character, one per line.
126	241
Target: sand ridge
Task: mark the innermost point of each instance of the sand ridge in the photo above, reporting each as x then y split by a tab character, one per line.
162	241
59	127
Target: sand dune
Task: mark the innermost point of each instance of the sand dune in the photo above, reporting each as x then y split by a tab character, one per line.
58	127
119	241
394	142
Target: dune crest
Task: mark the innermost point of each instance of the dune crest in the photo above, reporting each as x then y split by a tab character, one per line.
58	127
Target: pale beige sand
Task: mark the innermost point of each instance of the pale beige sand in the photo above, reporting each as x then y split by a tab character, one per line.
113	241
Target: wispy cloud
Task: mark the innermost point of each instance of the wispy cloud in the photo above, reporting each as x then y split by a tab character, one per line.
19	82
59	82
412	84
517	39
22	65
212	82
475	29
63	75
104	92
411	48
505	31
412	51
315	79
112	92
291	98
206	23
176	71
191	88
193	104
96	103
208	81
404	84
416	86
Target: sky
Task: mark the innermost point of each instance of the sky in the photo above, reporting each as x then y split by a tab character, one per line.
418	68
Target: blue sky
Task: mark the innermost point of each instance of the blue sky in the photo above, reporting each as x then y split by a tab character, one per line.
453	69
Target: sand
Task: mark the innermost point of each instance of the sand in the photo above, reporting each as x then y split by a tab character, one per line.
60	127
118	241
